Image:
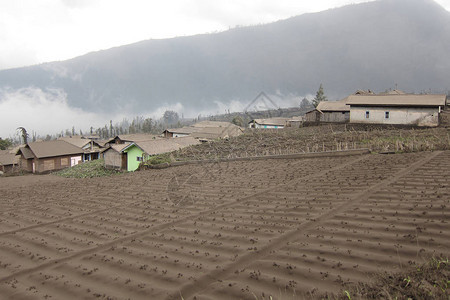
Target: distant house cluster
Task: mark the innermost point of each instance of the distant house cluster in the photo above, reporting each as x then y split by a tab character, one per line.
393	108
365	107
124	152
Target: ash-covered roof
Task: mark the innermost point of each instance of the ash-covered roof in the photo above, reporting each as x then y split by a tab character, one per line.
7	158
340	105
397	100
51	149
159	146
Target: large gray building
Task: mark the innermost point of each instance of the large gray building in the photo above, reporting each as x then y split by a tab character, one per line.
401	109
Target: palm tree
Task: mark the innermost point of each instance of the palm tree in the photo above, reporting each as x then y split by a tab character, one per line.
24	134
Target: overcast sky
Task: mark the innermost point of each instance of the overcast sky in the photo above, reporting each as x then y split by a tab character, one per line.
36	31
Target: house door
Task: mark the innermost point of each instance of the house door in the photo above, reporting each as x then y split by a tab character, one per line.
124	161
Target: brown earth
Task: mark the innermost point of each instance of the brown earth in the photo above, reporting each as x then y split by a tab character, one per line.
290	229
330	137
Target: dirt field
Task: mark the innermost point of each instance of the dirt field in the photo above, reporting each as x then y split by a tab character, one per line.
291	229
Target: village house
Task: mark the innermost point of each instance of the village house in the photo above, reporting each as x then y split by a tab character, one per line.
398	109
90	147
114	156
129	156
9	162
130	138
295	122
329	112
40	157
271	123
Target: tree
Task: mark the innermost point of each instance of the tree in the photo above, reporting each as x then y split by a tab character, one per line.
170	117
304	104
24	134
238	121
320	96
5	144
147	126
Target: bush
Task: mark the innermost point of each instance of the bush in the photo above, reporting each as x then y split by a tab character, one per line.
95	168
159	159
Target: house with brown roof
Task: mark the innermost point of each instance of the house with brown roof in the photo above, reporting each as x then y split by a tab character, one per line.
9	162
129	156
130	138
91	148
114	157
47	156
399	109
295	122
329	112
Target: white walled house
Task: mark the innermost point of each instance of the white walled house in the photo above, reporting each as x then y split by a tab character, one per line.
403	109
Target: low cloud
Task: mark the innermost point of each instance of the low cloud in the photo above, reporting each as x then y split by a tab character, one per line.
44	112
48	112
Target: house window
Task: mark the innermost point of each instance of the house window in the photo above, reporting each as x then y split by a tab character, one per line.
386	115
367	114
139	158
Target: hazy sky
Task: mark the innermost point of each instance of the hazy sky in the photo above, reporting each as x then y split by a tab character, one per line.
36	31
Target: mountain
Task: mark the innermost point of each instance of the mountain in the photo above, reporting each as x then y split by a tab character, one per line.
374	45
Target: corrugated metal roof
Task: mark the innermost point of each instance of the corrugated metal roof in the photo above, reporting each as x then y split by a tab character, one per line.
397	100
53	148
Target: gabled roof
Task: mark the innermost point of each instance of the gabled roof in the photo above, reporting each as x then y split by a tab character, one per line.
159	146
271	121
75	140
8	158
329	106
26	152
397	100
137	137
51	149
118	147
132	138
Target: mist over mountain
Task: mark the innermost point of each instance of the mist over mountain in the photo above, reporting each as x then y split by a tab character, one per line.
374	45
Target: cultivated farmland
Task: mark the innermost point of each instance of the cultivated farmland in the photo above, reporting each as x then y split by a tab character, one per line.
287	228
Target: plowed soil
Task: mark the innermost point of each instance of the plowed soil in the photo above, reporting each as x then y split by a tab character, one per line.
291	229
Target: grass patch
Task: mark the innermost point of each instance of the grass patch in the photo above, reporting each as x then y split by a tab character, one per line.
95	168
159	159
428	281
